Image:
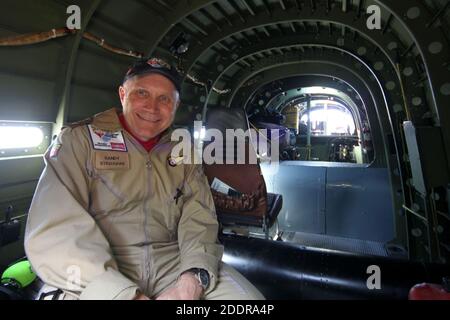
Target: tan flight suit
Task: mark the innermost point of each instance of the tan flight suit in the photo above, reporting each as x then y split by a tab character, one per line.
105	224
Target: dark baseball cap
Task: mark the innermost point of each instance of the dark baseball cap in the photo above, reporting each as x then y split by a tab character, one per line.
155	65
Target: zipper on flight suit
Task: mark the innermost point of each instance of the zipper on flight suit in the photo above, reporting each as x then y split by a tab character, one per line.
147	272
150	273
148	260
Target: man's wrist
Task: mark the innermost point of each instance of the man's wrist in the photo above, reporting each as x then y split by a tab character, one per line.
201	276
189	284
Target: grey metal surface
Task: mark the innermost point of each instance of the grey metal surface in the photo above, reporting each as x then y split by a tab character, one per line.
303	191
343	200
326	164
363	247
359	204
414	157
426	155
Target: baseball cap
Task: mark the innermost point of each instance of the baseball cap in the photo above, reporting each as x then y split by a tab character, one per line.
155	65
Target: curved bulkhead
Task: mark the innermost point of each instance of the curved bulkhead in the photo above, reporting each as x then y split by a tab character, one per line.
360	90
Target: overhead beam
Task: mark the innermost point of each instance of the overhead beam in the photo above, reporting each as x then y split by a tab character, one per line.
408	63
360	7
236	9
291	24
279	44
256	34
237	41
265	31
334	17
245	63
217	6
438	80
157	13
280	29
205	13
387	24
182	26
220	44
250	10
195	24
120	28
64	78
267	7
439	14
246	37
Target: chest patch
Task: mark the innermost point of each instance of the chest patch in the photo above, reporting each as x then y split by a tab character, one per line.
106	140
110	160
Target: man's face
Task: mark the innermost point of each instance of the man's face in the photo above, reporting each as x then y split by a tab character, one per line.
149	104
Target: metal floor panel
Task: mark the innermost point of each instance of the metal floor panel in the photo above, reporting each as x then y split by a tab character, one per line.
357	246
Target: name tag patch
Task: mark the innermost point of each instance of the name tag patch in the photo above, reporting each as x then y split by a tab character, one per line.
105	160
105	140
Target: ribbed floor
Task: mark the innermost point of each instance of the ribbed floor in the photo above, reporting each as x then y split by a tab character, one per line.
363	247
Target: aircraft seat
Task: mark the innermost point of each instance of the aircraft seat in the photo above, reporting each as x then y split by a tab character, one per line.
244	199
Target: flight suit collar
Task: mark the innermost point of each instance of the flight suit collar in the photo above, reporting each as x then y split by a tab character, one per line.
108	120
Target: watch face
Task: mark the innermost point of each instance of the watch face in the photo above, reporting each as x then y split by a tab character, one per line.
204	278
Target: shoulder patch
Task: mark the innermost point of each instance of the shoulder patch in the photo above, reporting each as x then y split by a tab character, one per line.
55	150
107	140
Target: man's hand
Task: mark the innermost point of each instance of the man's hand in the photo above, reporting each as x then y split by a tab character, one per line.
187	288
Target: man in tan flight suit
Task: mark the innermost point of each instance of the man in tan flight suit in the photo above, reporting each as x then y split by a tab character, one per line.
115	217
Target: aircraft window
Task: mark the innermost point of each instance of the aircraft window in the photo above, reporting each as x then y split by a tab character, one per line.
19	139
335	133
329	120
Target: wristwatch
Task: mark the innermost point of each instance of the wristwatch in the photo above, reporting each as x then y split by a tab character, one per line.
202	276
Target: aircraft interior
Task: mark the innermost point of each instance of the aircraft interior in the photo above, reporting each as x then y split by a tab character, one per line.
358	92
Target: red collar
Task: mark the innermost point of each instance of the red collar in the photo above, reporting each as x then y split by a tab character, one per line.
148	145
